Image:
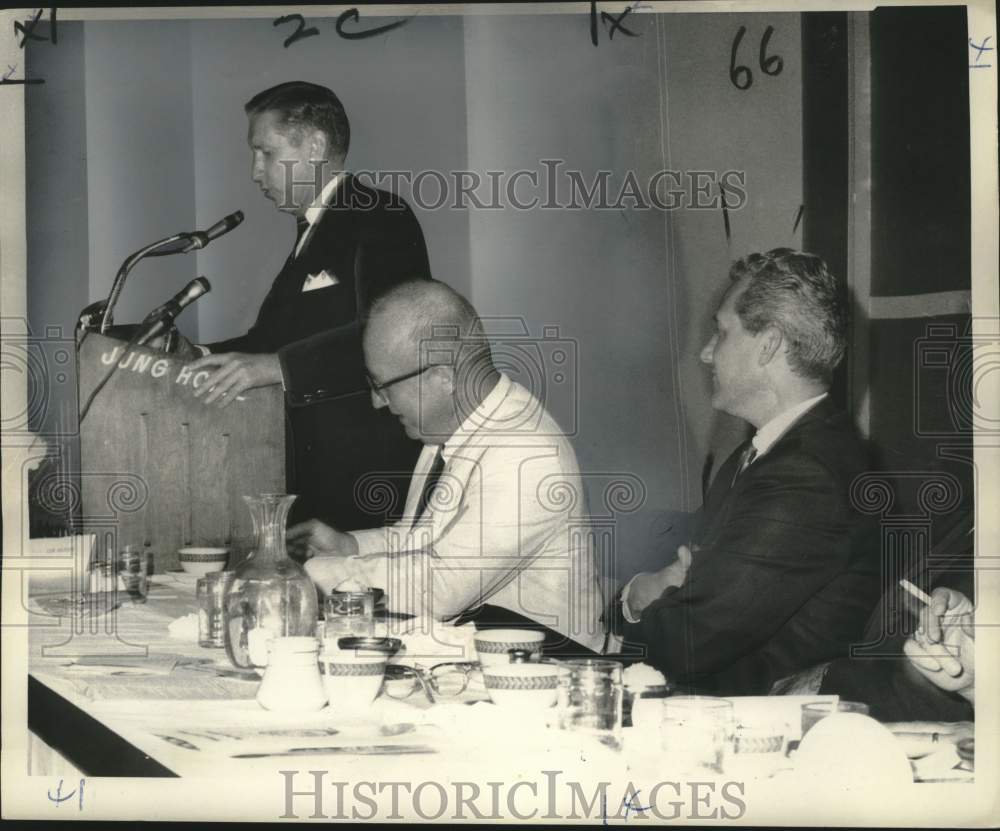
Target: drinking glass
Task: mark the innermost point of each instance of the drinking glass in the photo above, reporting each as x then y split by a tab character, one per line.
816	711
211	594
349	613
133	573
697	733
589	698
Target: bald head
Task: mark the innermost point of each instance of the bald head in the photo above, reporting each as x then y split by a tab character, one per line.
417	315
427	330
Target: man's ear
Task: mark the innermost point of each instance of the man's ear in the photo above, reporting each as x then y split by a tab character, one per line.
447	376
317	145
769	343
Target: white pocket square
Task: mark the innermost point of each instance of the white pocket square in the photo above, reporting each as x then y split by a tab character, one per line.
320	281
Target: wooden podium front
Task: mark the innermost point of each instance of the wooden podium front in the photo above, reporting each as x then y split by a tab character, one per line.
161	470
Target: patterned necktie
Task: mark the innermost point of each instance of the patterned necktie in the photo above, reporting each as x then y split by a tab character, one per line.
429	484
746	459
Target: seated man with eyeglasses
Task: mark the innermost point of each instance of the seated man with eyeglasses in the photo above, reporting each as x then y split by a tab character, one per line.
495	527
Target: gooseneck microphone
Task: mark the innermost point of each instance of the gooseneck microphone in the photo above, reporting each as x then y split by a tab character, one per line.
199	239
162	317
177	244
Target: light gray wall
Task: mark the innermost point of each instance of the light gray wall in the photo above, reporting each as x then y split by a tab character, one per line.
404	96
55	149
633	289
140	159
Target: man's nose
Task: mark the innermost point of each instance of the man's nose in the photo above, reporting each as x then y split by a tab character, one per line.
707	351
378	402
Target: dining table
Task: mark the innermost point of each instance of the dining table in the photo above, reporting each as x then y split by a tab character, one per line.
123	689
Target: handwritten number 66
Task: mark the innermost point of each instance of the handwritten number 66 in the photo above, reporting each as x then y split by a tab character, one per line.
741	76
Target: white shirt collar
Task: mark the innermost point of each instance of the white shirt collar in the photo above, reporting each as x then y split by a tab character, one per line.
478	417
773	430
313	211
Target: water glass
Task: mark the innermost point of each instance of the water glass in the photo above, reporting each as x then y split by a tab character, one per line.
133	573
697	733
211	593
589	698
816	711
348	613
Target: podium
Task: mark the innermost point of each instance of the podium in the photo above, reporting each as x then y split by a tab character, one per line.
160	470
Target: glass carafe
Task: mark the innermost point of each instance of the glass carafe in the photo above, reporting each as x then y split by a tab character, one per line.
270	595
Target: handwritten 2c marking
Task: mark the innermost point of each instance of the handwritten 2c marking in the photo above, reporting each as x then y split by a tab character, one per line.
348	16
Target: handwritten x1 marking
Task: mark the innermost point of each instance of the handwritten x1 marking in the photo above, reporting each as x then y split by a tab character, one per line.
980	49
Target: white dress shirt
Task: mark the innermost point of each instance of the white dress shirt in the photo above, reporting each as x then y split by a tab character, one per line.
763	441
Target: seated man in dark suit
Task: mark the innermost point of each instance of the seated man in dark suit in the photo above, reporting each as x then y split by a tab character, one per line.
782	571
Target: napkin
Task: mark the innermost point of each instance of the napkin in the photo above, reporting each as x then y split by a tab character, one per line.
184	628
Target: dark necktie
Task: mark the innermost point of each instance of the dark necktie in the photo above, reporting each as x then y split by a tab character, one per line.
746	459
429	484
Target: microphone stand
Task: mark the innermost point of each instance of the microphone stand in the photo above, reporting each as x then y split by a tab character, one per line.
152	250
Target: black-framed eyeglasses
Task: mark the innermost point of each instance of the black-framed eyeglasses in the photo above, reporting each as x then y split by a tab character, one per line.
378	388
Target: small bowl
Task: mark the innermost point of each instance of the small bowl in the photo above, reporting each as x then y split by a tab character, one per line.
525	686
493	645
200	561
352	678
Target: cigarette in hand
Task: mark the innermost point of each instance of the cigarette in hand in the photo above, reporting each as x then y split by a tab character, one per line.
922	596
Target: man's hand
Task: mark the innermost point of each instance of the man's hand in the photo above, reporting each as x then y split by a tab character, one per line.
648	586
235	372
943	647
315	539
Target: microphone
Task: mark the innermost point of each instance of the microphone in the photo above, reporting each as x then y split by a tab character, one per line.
161	318
199	239
177	244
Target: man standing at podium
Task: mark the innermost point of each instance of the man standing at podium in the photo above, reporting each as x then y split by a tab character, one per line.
353	243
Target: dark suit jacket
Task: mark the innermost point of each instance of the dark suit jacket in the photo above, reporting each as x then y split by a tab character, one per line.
787	571
369	240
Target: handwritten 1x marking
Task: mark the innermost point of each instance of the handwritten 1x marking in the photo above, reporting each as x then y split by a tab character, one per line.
354	16
616	22
28	29
298	34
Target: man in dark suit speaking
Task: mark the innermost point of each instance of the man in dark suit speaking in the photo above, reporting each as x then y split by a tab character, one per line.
782	571
353	243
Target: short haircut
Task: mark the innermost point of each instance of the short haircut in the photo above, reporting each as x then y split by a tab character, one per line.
301	106
795	293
